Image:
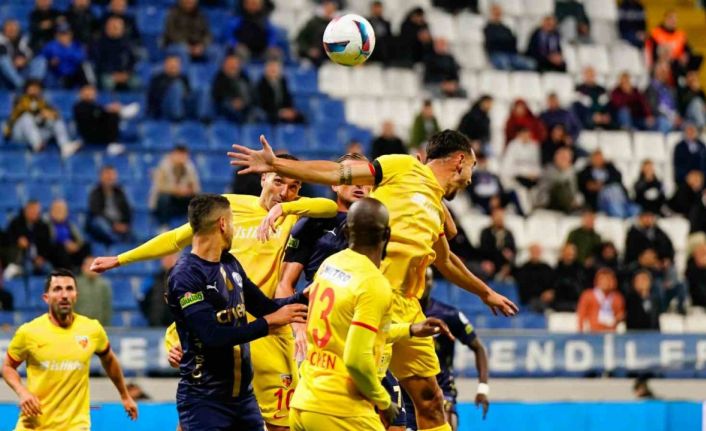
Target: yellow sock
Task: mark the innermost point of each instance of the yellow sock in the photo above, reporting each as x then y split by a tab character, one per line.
444	427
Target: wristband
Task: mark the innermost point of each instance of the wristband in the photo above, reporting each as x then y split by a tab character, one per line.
483	388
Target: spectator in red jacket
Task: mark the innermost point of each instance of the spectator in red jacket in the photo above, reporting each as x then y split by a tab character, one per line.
601	309
630	106
521	117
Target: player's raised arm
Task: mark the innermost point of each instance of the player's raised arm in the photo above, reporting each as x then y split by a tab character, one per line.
453	269
162	245
315	171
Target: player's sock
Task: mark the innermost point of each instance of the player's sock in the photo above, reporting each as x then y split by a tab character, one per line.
444	427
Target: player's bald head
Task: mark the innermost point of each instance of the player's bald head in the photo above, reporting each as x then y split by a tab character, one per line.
367	222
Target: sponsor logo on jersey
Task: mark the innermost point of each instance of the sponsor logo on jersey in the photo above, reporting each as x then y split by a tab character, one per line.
61	365
238	279
190	298
286	380
334	275
293	242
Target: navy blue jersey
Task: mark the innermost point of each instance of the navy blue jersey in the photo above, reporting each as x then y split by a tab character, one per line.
312	240
461	328
208	301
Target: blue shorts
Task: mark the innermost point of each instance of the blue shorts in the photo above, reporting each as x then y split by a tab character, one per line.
392	386
199	414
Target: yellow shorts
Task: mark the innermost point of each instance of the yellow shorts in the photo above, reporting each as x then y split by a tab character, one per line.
275	375
415	356
309	421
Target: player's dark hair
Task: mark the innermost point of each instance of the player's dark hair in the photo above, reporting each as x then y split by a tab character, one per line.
351	156
59	272
32	83
447	142
287	156
201	209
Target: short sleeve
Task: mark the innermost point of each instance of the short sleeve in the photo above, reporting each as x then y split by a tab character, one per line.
461	328
388	166
102	342
186	293
373	301
300	244
17	350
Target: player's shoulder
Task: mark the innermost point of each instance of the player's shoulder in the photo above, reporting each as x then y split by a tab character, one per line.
85	323
392	161
187	270
37	324
239	201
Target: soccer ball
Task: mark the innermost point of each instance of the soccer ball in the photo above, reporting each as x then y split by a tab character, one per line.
349	40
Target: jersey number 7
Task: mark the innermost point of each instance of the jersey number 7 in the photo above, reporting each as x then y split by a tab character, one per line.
327	297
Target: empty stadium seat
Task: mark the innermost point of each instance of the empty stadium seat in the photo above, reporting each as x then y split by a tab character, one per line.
334	80
649	145
496	83
470	27
695	323
677	229
442	24
528	86
292	137
616	145
35	290
562	322
82	166
363	111
601	9
561	84
401	82
156	135
302	80
367	80
123	294
595	56
10	198
611	229
250	134
41	192
627	58
328	112
18	289
193	135
224	134
451	112
542	227
46	166
470	55
516	225
671	323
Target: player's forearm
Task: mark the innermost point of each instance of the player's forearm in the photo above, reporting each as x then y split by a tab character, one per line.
397	332
481	360
311	207
359	359
454	270
315	171
115	373
13	379
213	335
162	245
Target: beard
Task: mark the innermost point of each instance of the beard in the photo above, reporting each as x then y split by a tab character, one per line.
61	312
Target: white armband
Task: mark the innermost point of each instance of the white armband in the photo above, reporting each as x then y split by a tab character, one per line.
483	388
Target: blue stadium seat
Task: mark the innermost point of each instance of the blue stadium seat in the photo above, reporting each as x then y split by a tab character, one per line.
35	290
302	80
145	163
137	194
76	194
41	192
218	20
200	75
218	186
223	135
351	132
250	135
303	103
7	318
193	135
28	315
5	103
530	320
292	137
150	19
18	289
82	166
143	227
121	164
328	113
9	198
325	137
130	319
213	166
123	294
46	166
14	165
63	101
157	135
509	290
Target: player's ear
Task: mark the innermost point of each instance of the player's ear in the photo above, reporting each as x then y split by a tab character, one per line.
45	297
335	189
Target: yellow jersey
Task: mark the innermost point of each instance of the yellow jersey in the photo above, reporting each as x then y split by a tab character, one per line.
58	362
348	289
413	198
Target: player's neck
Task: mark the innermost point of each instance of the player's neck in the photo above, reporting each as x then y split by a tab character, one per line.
342	206
207	247
372	253
64	322
441	173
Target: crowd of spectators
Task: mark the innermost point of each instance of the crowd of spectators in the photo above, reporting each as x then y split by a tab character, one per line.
97	50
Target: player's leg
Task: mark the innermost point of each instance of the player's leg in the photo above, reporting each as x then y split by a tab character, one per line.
451	414
415	364
392	386
275	377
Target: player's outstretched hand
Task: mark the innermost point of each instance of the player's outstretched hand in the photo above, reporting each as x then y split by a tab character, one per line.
430	327
174	356
500	304
482	401
269	224
389	415
292	313
130	407
253	161
105	263
29	404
